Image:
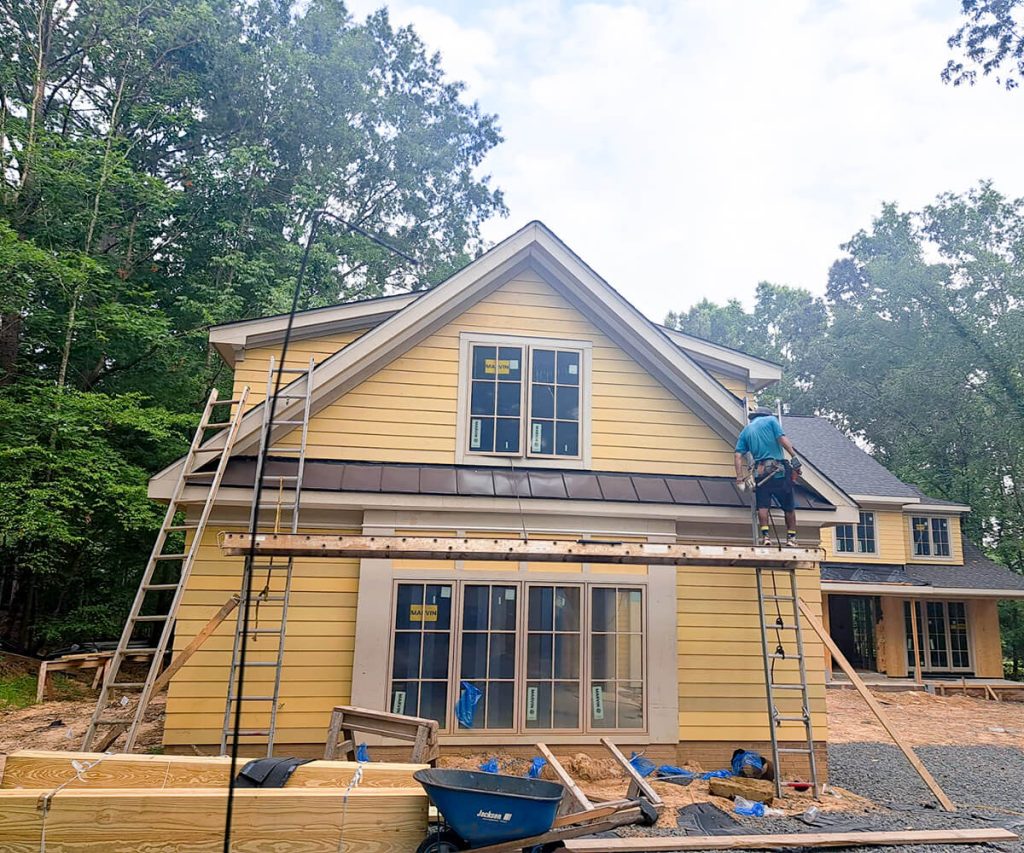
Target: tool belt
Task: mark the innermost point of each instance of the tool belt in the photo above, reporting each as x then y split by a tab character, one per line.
767	469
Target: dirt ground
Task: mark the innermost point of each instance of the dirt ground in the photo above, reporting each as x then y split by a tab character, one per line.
923	719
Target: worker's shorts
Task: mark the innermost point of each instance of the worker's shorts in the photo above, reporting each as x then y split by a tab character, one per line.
779	488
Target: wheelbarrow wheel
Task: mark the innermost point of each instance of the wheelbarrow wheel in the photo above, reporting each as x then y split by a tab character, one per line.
441	842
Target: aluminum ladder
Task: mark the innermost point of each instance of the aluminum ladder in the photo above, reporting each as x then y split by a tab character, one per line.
283	502
165	572
784	628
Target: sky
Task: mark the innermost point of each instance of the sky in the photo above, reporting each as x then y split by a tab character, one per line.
693	148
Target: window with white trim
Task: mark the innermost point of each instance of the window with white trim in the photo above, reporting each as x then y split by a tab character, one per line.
858	538
521	656
930	536
525	400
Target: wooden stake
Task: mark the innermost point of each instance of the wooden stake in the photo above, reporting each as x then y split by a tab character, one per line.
855	679
913	634
794	841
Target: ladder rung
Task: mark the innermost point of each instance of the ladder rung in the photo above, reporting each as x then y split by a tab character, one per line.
155	587
777	656
777	597
109	721
252	698
176	527
128	685
794	750
284	450
289	422
292	369
772	626
253	733
170	556
787	687
260	663
789	718
189	474
131	650
281	477
160	617
263	631
226	402
270	599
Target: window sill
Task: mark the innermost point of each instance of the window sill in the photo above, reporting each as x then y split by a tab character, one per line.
548	737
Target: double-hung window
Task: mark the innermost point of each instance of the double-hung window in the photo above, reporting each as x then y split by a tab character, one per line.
521	656
524	399
859	538
930	536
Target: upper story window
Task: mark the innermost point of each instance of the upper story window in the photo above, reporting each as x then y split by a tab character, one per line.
859	538
930	536
524	398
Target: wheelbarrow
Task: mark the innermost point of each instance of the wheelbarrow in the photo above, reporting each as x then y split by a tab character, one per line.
492	813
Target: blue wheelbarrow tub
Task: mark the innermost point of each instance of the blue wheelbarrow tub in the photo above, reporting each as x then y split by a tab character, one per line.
487	808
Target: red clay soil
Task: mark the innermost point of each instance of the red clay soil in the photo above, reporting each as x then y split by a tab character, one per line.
923	719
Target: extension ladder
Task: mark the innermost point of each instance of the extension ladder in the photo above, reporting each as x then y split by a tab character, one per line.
155	579
277	583
783	627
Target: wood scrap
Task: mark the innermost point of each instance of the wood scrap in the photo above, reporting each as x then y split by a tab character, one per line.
856	681
755	790
50	769
793	840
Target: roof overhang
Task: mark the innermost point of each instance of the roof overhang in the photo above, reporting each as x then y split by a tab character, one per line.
759	373
231	339
912	591
912	503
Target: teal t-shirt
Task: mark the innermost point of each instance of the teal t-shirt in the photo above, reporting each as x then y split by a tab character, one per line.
760	438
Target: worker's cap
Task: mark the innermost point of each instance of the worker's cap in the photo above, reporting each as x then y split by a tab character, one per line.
760	412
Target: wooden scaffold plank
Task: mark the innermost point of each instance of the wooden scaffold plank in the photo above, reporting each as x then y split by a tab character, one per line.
516	550
175	821
51	769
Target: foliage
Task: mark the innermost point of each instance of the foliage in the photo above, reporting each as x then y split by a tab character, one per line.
991	38
919	352
163	166
17	691
783	327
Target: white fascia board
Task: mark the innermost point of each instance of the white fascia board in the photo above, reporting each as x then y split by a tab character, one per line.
885	500
912	591
231	339
761	372
940	509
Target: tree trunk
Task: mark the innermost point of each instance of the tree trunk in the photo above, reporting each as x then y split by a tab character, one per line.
10	339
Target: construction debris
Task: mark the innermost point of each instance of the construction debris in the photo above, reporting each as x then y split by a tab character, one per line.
755	790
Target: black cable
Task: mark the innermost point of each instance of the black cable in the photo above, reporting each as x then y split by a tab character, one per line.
247	571
372	237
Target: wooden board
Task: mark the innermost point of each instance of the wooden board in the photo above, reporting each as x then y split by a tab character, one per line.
48	770
795	840
168	821
856	681
503	550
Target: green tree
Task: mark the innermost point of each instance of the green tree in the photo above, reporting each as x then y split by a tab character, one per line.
163	164
992	39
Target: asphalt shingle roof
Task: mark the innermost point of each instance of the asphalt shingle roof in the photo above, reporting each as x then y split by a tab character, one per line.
839	459
977	573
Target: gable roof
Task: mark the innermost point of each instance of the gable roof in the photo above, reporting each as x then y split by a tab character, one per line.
759	371
535	247
854	470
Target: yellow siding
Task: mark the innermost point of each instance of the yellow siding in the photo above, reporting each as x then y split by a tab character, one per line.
406	412
721	672
889	537
252	370
318	657
736	386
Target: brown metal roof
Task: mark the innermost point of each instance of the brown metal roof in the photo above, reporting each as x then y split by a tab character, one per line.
524	483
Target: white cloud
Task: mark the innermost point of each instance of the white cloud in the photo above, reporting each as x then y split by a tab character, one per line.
691	149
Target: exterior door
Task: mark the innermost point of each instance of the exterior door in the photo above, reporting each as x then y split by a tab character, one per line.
941	636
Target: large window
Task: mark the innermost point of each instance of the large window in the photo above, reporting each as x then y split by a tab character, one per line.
941	636
520	657
525	400
859	538
930	536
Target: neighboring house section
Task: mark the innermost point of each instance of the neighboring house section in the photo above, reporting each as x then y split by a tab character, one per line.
904	562
522	396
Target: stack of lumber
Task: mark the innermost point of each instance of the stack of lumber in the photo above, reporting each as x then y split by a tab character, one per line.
144	803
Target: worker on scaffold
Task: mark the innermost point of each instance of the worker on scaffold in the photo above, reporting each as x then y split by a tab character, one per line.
771	475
